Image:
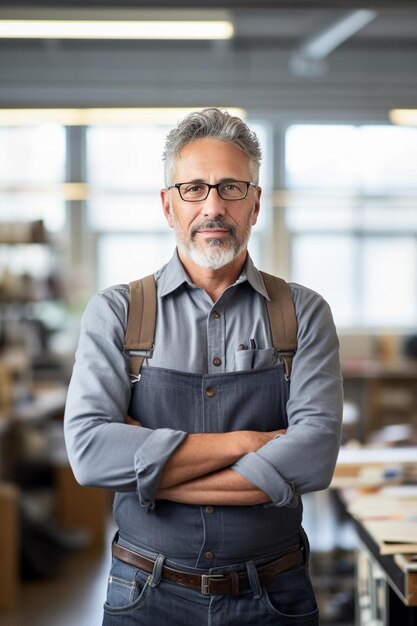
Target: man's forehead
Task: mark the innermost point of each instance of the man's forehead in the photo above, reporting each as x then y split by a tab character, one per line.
206	144
200	156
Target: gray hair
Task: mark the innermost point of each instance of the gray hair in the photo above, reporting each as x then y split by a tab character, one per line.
217	124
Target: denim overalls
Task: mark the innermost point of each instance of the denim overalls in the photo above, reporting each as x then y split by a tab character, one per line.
213	539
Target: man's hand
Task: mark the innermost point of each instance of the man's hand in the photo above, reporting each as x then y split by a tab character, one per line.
132	422
252	440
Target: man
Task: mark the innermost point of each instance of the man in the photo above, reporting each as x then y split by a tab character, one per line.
209	466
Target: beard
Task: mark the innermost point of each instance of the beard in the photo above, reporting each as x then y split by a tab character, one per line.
216	252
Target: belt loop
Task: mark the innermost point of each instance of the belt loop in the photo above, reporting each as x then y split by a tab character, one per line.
235	583
254	580
155	577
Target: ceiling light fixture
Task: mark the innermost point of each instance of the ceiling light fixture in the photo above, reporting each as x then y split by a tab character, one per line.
406	117
116	29
101	116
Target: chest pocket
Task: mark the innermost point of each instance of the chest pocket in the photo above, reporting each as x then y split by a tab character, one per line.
255	359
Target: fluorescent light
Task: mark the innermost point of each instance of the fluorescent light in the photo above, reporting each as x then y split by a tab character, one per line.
69	191
101	116
330	38
115	29
407	117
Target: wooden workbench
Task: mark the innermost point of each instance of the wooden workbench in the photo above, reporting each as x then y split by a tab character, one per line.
367	482
386	588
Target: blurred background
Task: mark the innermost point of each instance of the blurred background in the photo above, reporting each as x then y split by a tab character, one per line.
331	90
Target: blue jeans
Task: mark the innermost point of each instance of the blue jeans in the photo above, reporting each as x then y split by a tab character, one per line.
135	598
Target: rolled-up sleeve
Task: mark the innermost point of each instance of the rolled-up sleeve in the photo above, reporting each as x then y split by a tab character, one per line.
104	451
304	459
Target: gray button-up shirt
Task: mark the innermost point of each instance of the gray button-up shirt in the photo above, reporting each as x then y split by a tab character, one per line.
195	335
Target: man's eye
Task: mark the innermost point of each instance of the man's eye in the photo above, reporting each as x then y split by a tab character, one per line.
194	189
235	187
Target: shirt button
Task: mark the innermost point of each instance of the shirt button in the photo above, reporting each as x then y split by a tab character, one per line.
208	556
217	361
209	509
210	392
216	314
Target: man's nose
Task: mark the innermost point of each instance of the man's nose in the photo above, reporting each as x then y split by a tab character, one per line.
213	204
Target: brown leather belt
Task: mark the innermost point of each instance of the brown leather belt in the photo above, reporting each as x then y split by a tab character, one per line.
231	583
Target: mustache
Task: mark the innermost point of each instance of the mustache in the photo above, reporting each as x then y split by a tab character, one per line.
213	224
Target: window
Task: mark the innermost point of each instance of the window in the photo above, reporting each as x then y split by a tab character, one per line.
352	215
124	168
32	165
32	173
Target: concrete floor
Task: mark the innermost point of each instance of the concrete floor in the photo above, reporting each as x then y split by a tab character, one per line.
74	598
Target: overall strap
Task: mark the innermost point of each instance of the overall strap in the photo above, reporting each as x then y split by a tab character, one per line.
282	319
140	331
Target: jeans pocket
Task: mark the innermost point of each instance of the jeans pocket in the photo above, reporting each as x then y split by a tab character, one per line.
291	598
127	587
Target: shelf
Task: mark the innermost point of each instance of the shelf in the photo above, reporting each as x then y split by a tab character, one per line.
23	233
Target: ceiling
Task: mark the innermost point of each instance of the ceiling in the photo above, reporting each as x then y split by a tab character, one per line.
227	4
279	63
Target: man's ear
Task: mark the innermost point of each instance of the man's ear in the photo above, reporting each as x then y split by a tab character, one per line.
166	206
258	193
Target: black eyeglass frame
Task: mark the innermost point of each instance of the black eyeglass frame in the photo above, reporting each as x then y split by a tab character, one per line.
248	184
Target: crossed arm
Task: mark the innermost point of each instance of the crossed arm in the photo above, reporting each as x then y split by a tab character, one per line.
198	472
224	487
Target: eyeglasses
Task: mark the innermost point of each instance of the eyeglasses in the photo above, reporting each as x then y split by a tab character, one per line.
227	190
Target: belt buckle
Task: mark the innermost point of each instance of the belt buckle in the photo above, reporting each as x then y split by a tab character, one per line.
205	582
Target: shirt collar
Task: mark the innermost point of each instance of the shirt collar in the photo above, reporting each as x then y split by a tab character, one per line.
253	276
173	275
